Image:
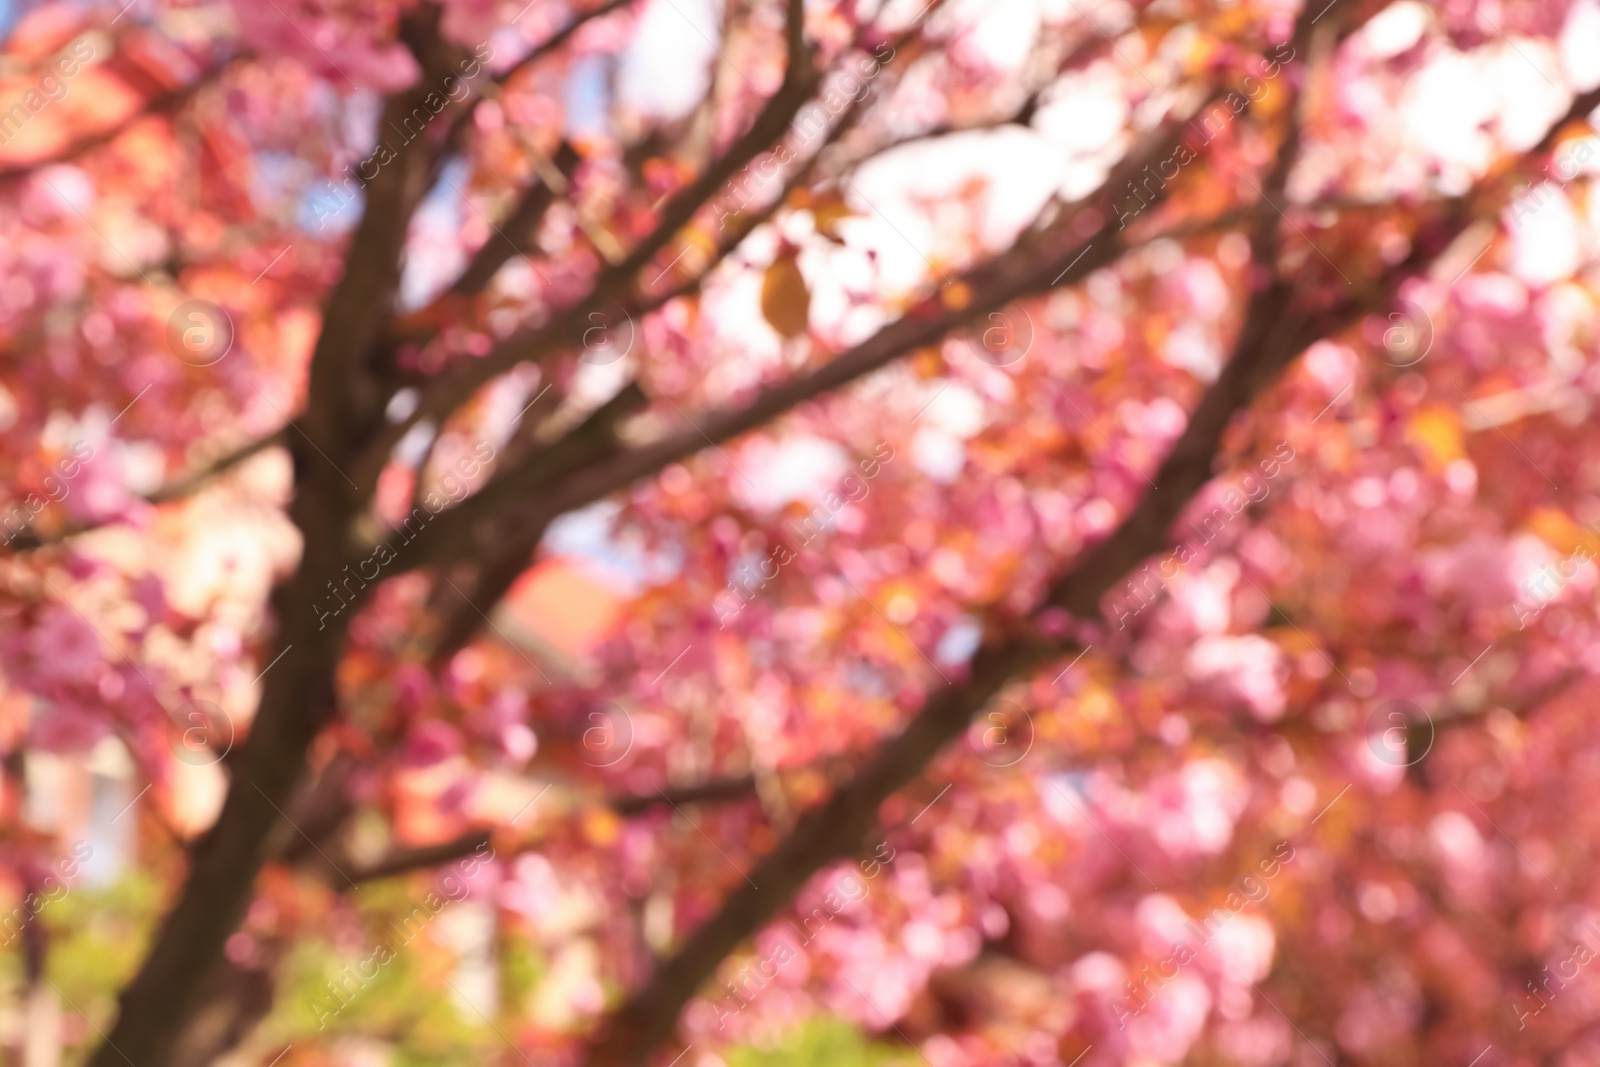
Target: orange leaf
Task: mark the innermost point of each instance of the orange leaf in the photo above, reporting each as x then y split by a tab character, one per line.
827	212
1556	529
785	300
601	826
928	363
1436	431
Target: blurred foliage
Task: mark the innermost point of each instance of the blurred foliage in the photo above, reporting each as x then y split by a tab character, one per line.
822	1042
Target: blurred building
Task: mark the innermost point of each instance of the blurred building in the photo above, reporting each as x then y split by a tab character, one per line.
88	798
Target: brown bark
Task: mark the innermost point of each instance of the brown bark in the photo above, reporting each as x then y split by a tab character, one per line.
298	697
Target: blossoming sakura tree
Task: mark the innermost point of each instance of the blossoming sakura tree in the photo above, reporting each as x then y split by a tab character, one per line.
1098	502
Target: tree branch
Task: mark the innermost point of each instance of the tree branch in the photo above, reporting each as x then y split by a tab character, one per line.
515	236
498	575
346	395
452	389
190	482
161	103
405	860
31	539
515	542
1056	255
299	692
458	128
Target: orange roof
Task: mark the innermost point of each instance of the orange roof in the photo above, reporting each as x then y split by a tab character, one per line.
564	607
